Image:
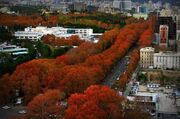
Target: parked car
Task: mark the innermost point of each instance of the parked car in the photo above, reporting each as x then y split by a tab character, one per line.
6	107
22	112
19	101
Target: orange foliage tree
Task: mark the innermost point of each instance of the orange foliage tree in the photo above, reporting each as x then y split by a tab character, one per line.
145	40
97	102
32	20
47	105
82	66
55	41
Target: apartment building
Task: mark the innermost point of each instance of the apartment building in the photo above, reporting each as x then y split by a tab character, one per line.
146	57
167	60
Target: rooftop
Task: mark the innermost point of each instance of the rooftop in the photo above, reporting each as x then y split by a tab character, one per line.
147	49
166	104
168	53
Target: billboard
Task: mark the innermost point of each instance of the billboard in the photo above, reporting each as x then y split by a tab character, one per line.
163	40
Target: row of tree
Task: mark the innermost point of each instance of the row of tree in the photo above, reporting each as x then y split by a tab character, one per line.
74	72
144	41
98	21
32	20
56	41
80	67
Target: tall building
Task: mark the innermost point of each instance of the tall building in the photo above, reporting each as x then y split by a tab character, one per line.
78	6
122	5
170	32
127	5
146	57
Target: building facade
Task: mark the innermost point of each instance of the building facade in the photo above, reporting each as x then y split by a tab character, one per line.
146	57
78	6
38	32
166	27
13	49
168	60
122	5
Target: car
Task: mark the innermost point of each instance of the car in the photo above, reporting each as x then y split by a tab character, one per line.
6	107
152	113
22	112
19	101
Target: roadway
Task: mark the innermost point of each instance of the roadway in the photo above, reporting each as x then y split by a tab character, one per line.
11	112
117	70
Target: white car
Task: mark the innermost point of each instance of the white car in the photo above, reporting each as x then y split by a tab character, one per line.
5	107
117	79
19	101
22	112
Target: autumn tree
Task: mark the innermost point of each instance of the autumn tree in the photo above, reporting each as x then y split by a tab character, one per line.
97	102
32	77
73	40
46	105
80	67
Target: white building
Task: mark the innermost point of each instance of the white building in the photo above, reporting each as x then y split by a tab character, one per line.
13	49
146	57
167	60
38	32
140	15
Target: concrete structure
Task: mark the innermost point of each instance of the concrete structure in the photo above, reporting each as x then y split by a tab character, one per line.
166	108
38	32
167	60
144	99
143	9
146	57
166	12
78	6
140	15
122	5
13	49
166	27
63	7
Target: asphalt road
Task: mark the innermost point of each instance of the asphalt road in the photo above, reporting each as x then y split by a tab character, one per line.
11	112
118	69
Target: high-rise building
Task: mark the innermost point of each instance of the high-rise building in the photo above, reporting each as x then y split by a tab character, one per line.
122	5
146	57
127	5
169	32
78	6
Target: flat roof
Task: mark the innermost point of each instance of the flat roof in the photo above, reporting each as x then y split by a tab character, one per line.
148	94
147	49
